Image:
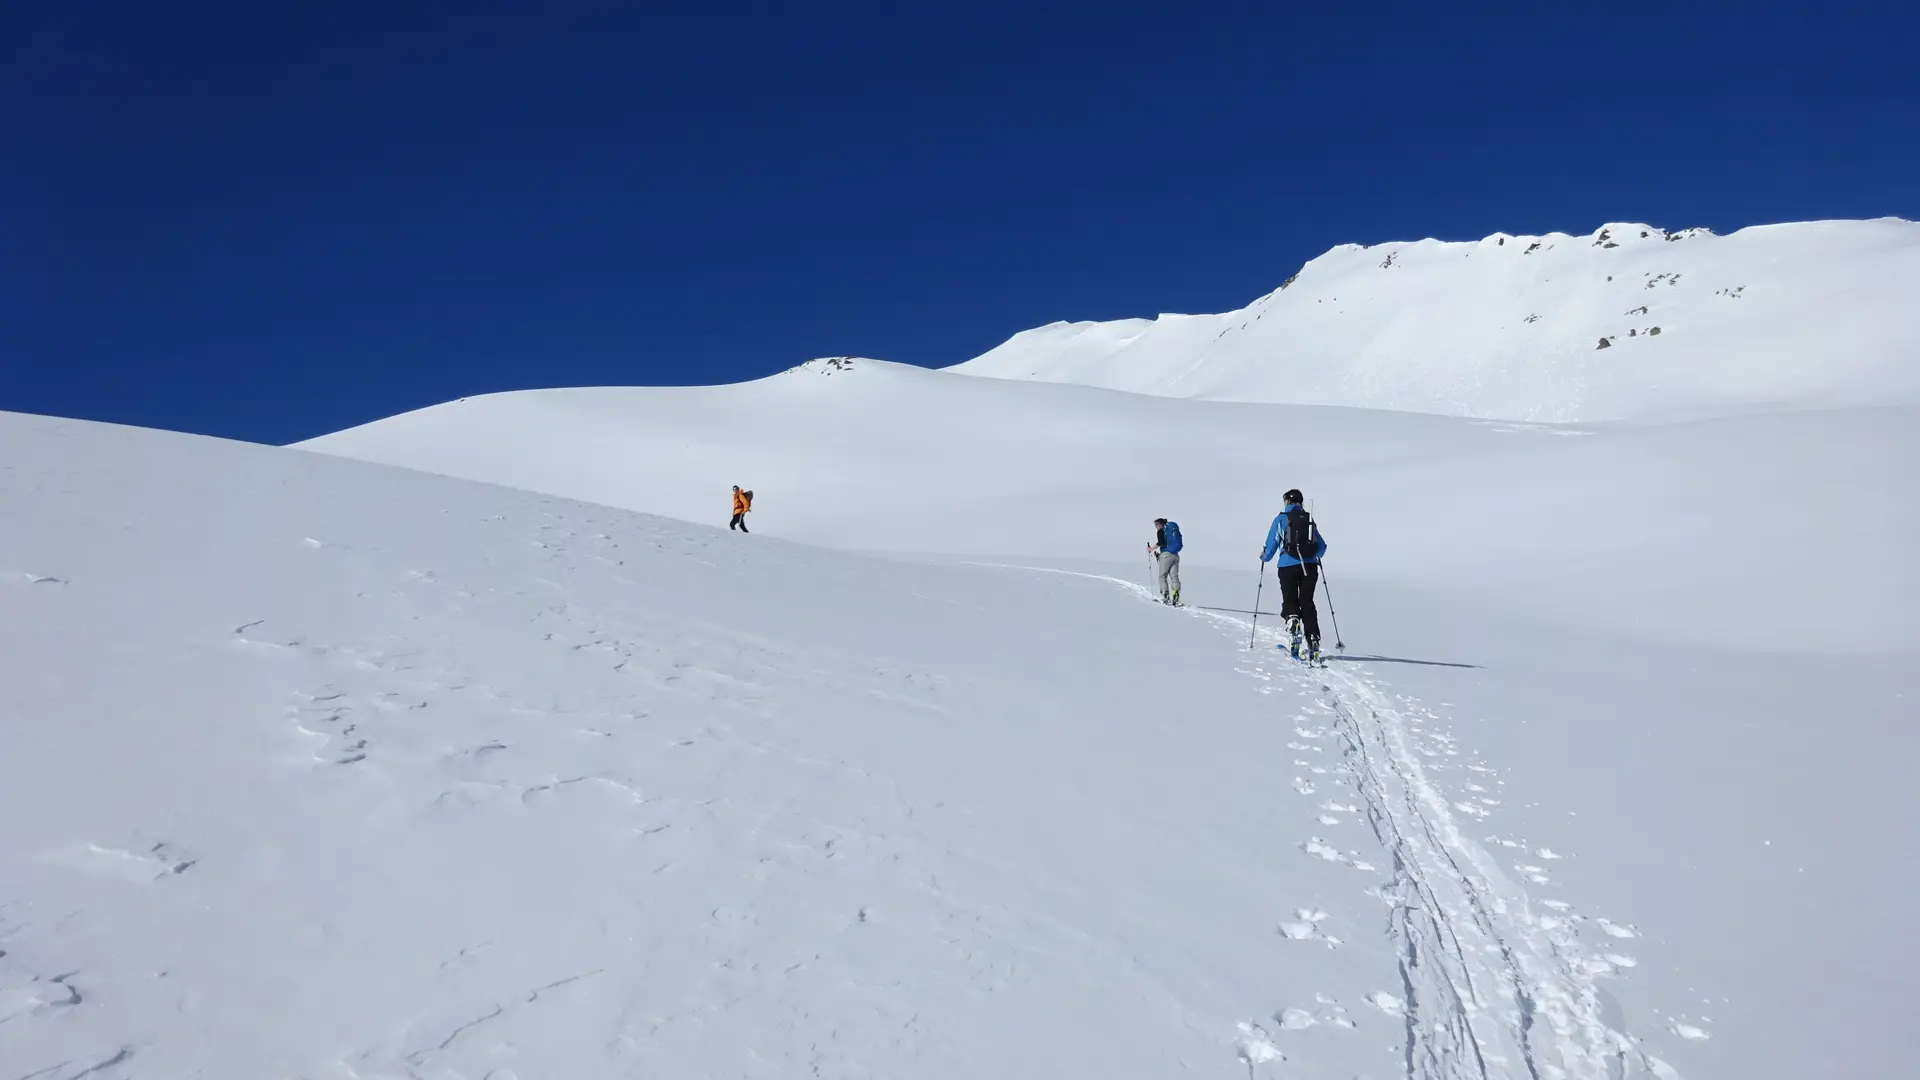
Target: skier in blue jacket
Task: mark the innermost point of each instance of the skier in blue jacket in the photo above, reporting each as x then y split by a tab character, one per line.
1296	541
1166	553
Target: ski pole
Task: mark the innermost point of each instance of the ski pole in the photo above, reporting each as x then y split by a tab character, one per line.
1254	630
1338	644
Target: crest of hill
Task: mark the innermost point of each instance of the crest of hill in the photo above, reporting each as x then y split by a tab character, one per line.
1628	322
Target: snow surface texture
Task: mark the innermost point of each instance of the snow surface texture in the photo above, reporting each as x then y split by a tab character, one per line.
319	769
1630	321
314	767
1680	531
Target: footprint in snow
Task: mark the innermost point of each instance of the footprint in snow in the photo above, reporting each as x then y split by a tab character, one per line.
1298	1019
1614	929
1295	1019
1334	1012
1320	849
1302	786
133	861
1387	1003
1688	1031
1254	1046
1386	896
1307	927
1608	964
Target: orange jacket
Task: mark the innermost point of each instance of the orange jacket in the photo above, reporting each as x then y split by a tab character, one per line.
741	504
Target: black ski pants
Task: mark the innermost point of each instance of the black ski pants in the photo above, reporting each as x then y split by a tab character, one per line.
739	522
1297	585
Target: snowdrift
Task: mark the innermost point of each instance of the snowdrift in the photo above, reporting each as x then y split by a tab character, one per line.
1628	322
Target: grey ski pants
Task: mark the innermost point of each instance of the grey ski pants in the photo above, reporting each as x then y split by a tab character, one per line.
1167	576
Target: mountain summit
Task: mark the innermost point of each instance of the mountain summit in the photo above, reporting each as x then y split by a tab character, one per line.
1630	321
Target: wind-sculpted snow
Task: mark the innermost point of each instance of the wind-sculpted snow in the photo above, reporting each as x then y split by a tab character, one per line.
1628	321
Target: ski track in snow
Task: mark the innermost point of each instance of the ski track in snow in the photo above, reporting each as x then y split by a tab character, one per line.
1488	989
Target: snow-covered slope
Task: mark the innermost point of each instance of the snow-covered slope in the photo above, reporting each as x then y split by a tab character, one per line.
1630	321
315	768
1671	530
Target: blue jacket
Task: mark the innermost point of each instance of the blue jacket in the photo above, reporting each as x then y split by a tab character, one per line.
1277	533
1170	542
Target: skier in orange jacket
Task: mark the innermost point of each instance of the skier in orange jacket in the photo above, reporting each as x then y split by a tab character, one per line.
742	503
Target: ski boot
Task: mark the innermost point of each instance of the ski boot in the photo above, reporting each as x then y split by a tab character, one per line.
1296	638
1314	659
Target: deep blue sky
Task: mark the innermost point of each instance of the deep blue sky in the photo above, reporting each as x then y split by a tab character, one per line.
271	220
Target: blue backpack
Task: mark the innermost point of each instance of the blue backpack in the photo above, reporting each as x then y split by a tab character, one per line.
1171	539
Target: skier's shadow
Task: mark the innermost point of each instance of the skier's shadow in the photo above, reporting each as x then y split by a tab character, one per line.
1353	658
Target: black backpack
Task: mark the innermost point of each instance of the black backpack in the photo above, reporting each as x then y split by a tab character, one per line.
1299	536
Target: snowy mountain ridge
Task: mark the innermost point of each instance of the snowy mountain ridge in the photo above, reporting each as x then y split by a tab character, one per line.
1628	322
